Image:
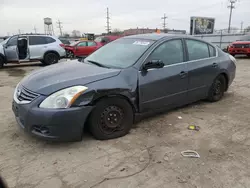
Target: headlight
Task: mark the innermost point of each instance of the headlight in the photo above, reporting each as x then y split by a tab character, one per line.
63	98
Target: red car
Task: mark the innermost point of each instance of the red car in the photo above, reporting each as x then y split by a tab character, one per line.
85	48
241	47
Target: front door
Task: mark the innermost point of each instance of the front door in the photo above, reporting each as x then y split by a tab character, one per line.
164	87
10	49
81	49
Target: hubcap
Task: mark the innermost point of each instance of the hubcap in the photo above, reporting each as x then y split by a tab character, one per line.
52	58
217	88
111	119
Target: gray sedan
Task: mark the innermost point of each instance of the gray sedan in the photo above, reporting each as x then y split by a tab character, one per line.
125	79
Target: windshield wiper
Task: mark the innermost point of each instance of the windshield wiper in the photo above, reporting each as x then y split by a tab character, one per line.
98	64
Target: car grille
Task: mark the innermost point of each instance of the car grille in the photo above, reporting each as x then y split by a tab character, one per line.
241	45
26	95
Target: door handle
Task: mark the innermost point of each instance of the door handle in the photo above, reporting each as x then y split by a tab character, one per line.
214	65
183	74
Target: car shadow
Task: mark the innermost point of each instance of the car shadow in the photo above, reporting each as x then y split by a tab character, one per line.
15	65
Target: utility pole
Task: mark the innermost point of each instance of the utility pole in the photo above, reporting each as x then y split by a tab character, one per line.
241	27
35	29
108	23
164	22
59	23
231	6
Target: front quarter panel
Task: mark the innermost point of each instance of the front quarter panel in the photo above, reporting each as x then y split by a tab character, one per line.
123	85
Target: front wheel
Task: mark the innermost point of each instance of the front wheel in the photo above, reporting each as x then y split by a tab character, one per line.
217	89
50	58
111	118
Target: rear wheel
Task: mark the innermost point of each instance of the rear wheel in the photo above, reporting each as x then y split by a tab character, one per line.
1	62
217	89
50	58
111	118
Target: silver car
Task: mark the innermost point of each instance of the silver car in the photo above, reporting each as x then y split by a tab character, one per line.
30	47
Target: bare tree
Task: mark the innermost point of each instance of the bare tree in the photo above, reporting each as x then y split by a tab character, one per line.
76	33
116	31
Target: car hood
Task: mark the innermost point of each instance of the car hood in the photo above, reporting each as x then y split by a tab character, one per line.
62	75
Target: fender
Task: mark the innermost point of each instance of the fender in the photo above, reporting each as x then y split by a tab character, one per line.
51	51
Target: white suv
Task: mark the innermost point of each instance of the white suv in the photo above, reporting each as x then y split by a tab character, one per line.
30	47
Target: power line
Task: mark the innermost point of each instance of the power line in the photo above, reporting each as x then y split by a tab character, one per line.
108	23
59	23
231	6
241	26
164	21
35	29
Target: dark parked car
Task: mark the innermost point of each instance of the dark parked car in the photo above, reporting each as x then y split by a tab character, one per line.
126	78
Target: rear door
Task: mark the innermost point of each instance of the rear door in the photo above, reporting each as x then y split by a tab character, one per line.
203	67
165	87
10	49
38	45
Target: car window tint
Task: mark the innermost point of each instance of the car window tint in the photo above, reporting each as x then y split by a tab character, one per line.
212	51
170	52
197	50
37	40
13	41
49	40
82	44
91	43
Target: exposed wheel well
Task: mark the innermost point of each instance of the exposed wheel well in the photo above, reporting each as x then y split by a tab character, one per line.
227	80
52	51
117	96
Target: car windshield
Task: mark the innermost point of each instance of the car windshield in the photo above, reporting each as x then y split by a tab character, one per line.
4	42
74	43
120	53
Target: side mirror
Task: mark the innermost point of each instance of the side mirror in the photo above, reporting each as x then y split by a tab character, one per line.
5	46
153	64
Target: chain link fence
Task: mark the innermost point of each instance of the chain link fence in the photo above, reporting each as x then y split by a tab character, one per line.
223	38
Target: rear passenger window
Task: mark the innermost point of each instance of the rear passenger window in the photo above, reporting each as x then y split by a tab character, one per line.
197	50
39	40
170	52
49	40
211	51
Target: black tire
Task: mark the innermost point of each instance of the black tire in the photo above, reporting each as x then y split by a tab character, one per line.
50	58
1	62
111	118
70	54
217	90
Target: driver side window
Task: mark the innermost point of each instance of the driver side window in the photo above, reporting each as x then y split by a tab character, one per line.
170	52
82	44
12	41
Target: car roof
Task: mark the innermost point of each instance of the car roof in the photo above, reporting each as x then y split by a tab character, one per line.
155	36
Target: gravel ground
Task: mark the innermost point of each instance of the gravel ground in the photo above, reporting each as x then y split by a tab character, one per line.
147	157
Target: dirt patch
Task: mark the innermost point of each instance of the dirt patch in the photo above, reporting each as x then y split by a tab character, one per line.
15	72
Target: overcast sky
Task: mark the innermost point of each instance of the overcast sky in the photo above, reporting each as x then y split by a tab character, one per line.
89	15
